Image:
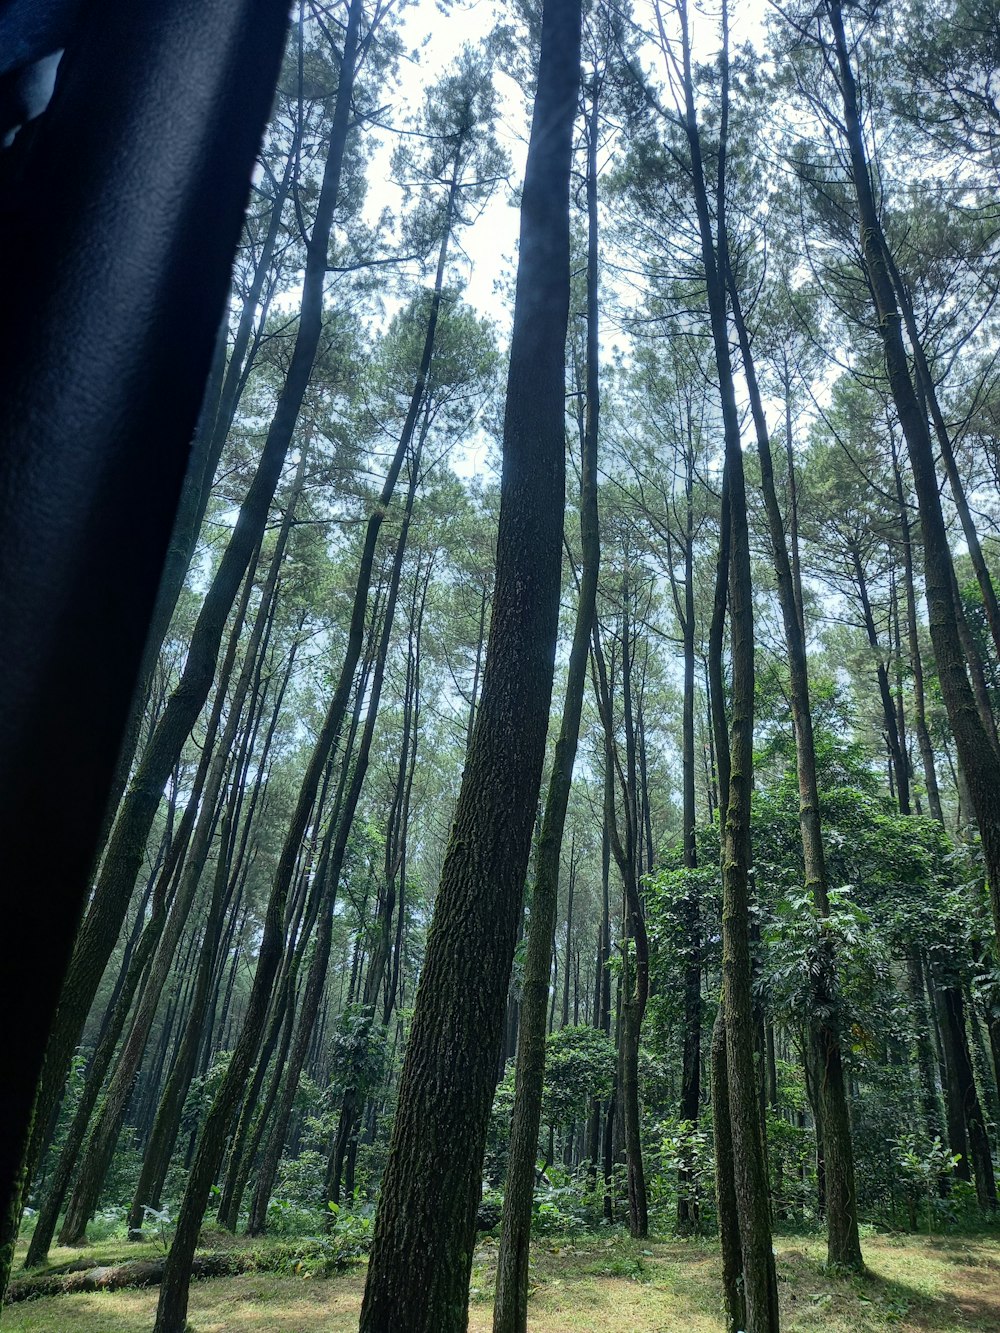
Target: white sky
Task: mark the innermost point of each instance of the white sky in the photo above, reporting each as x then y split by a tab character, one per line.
490	245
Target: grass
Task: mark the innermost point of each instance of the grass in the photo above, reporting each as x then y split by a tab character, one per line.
614	1285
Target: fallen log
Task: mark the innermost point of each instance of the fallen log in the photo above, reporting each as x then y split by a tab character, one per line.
84	1276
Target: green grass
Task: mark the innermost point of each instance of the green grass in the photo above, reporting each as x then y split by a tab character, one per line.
613	1284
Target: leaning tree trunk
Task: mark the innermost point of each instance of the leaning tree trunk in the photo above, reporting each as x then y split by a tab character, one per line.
222	395
418	1278
978	753
172	1310
316	977
104	1136
165	915
510	1310
197	1031
928	390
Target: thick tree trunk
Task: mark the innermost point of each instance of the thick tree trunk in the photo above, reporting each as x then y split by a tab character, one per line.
422	1253
510	1311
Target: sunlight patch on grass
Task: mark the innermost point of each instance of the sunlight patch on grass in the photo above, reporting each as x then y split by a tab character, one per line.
608	1284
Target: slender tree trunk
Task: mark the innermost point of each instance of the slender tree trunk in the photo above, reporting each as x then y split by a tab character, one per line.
958	1138
690	1099
753	1205
208	980
725	1177
172	1310
927	390
977	750
916	664
930	1104
107	1128
843	1240
316	978
975	1122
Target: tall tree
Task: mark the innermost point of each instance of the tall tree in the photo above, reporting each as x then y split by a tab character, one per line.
977	748
752	1201
422	1251
510	1311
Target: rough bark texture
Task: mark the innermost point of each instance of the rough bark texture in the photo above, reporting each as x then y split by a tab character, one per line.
510	1310
422	1252
725	1189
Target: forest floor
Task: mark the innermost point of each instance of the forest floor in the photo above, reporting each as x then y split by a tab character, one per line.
948	1284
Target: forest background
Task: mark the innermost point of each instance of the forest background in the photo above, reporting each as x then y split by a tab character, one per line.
783	287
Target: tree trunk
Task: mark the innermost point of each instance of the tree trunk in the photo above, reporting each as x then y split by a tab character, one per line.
690	1099
510	1310
753	1205
916	663
316	979
725	1188
930	1104
977	750
975	1121
422	1252
843	1240
172	1311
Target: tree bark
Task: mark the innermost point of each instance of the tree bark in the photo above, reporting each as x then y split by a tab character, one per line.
422	1252
843	1240
510	1310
